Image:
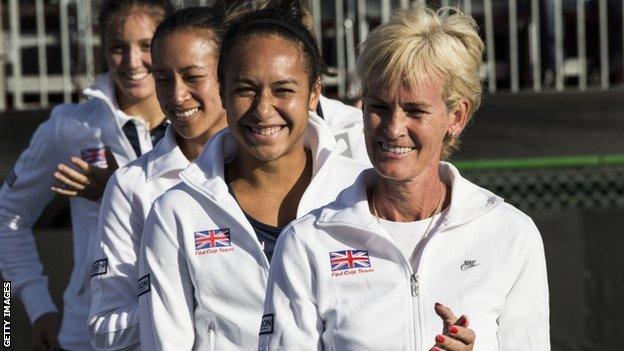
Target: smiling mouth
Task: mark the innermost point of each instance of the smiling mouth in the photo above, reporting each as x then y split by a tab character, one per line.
265	131
400	150
136	76
184	114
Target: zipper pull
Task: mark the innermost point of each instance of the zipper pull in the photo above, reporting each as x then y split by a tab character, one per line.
414	284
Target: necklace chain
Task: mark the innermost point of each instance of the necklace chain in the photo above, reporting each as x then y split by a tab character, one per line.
435	211
426	232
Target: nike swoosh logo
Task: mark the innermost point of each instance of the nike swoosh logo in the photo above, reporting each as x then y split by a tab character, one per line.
469	264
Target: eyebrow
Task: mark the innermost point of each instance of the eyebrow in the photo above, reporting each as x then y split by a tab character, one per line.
415	105
279	82
286	81
183	69
409	104
190	67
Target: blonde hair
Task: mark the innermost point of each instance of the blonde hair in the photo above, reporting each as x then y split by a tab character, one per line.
420	43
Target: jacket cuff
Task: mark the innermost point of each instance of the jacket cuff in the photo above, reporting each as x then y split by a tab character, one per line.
37	300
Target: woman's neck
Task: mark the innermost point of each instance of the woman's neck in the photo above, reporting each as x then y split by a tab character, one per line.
409	201
279	184
279	173
191	148
147	109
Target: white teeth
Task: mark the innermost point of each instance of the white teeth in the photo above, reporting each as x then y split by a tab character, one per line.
395	149
266	130
137	75
185	114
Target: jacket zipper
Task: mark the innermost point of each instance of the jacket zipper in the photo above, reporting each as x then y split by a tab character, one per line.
413	293
414	284
211	336
417	291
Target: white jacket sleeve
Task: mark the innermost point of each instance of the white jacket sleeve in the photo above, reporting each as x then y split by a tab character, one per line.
22	198
291	320
524	322
165	289
113	317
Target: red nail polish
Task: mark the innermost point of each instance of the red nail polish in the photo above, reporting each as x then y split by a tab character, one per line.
453	330
439	339
438	304
462	320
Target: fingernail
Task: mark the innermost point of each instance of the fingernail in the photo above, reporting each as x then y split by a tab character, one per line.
439	339
462	320
453	330
438	304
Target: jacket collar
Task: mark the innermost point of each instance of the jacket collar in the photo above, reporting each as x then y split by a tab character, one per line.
165	157
468	201
207	172
104	89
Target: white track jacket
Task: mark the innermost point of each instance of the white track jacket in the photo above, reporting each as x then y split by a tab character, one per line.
338	282
84	130
346	123
203	271
114	315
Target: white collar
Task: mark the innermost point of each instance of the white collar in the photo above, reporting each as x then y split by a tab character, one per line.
468	201
208	169
104	90
165	157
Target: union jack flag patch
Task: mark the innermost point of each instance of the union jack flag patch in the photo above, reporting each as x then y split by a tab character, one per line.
349	259
94	156
209	239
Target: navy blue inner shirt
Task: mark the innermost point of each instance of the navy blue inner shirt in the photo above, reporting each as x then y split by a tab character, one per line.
157	133
266	234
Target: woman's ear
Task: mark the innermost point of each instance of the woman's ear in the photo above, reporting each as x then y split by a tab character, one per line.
459	118
315	94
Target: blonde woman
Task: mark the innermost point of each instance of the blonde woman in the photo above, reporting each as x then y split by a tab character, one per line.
385	266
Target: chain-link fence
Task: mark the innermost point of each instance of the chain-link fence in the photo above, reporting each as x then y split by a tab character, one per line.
557	188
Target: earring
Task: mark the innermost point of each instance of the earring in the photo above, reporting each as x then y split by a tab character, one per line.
453	134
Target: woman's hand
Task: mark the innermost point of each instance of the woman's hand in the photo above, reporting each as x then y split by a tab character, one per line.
456	336
88	181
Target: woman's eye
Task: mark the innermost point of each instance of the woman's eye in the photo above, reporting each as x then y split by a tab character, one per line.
246	91
415	112
284	91
193	79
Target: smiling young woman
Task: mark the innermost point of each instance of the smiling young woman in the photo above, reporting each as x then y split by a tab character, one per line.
185	51
205	264
118	121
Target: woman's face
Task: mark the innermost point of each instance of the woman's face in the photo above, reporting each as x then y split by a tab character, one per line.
267	96
127	48
405	128
185	69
